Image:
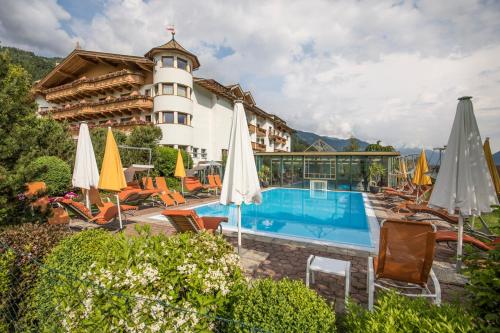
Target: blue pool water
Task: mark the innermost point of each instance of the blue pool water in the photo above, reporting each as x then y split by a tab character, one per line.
326	216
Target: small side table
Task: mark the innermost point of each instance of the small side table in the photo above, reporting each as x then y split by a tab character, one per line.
329	266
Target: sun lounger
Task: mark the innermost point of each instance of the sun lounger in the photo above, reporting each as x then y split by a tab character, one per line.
107	210
161	184
406	253
189	221
213	184
193	187
218	181
452	236
135	195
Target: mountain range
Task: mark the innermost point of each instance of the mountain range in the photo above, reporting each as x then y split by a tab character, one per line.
339	145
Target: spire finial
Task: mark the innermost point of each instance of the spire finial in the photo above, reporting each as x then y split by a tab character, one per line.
171	28
77	46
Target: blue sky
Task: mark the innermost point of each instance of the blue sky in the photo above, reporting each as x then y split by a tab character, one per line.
378	70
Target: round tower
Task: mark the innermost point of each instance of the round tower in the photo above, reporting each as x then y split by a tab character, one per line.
173	89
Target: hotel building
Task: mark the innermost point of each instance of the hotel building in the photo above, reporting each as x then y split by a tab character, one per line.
159	89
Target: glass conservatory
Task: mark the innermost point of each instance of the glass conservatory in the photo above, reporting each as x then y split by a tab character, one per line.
346	171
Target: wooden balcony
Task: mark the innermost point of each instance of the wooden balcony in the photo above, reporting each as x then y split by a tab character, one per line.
258	147
257	130
103	84
109	107
125	127
277	138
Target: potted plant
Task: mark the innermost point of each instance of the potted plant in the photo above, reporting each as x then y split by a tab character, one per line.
264	174
376	170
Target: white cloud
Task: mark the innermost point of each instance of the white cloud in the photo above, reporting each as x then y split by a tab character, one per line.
376	70
35	25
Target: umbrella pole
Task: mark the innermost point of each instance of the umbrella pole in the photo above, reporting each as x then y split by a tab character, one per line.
460	241
87	198
119	211
238	216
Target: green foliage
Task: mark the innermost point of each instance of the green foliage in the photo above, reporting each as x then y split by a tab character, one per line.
378	147
141	136
36	66
264	173
23	137
167	158
298	145
18	272
136	282
376	171
483	271
352	145
282	306
53	171
396	313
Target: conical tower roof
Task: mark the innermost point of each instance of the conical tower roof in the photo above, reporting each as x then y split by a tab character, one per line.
173	45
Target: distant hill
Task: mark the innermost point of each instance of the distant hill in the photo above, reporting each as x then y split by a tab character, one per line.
496	158
37	66
338	144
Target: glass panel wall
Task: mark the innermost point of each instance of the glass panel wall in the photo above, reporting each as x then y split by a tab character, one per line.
341	172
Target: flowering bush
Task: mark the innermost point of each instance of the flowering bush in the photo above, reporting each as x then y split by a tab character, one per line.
396	313
281	306
142	284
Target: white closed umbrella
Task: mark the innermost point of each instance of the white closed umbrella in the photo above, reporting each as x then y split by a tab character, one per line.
463	183
85	173
241	182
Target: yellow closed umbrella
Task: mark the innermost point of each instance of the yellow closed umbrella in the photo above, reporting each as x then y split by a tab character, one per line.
112	177
491	165
179	169
421	177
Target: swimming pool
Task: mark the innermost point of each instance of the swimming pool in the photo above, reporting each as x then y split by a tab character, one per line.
343	219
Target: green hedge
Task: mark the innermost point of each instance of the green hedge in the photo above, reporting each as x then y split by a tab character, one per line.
17	271
396	313
121	276
282	306
483	271
53	171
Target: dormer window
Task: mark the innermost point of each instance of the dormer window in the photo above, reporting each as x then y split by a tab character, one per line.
182	64
167	61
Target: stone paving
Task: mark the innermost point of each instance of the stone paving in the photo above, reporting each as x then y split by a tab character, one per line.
269	257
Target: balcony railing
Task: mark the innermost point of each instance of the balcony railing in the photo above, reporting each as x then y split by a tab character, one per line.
257	130
82	88
277	138
259	147
92	110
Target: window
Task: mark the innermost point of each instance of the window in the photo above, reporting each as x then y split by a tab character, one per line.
195	152
156	89
168	117
168	88
148	118
157	118
124	120
182	64
182	118
181	90
167	61
203	153
147	92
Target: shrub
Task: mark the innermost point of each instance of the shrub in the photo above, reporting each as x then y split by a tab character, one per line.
283	306
53	171
17	270
166	158
137	283
396	313
483	272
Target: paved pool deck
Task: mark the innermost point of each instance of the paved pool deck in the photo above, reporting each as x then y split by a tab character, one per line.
277	258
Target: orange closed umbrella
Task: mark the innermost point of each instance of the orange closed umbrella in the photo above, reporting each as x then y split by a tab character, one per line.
112	177
179	168
421	176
